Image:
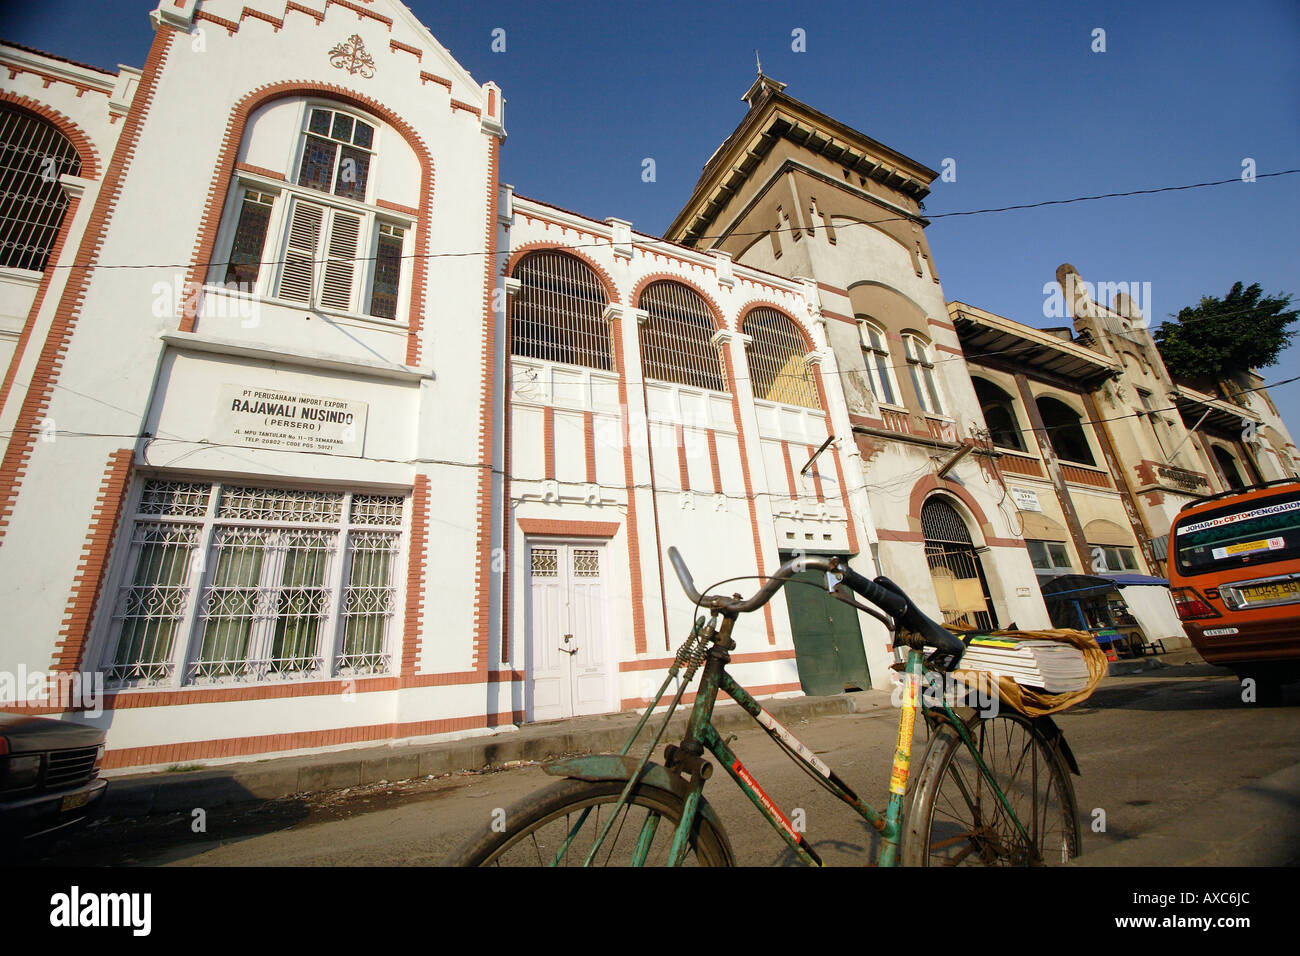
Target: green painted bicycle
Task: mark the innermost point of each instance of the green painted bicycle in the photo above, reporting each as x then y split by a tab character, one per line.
993	787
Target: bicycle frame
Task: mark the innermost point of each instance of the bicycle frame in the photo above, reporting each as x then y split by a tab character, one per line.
701	735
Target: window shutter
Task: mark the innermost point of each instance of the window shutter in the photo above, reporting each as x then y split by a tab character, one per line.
341	263
300	253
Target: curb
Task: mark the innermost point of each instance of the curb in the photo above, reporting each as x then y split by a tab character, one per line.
143	794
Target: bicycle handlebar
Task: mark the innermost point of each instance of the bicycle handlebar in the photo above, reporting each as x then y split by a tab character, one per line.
882	592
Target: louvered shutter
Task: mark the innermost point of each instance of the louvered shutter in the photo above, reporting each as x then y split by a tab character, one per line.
300	252
341	263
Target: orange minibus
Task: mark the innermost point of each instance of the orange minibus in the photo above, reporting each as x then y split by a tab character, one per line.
1234	574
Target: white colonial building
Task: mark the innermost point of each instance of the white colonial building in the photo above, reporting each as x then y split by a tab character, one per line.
316	436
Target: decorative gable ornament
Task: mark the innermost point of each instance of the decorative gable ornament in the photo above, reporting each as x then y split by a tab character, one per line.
352	56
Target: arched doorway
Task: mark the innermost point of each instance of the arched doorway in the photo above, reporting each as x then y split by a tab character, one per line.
955	568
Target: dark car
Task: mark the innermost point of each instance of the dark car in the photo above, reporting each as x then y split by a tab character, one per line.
49	779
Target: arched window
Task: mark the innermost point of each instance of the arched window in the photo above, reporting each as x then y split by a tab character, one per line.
777	368
875	357
559	313
677	340
1065	431
955	568
1228	468
921	367
999	415
319	238
33	155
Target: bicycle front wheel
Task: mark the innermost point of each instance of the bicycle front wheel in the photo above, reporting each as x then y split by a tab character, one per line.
956	818
557	827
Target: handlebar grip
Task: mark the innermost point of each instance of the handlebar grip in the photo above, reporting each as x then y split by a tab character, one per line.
888	595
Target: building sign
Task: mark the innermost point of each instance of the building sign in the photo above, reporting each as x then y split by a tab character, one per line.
1026	499
289	421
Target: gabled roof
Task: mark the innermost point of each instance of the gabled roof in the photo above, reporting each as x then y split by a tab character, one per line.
773	116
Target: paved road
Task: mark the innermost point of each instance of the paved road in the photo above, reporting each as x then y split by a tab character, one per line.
1150	746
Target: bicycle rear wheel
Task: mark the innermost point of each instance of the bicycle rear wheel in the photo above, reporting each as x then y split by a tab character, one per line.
955	817
537	827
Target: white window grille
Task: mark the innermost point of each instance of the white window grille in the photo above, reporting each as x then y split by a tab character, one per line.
245	584
875	357
559	313
33	155
778	370
676	340
586	563
545	563
328	243
921	367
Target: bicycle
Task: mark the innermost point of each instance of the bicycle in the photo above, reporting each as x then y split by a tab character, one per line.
993	789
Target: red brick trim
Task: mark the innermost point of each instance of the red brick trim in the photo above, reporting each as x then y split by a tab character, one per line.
789	471
925	486
86	586
483	555
261	171
361	12
755	658
431	78
37	398
946	348
276	22
844	497
413	620
884	534
275	743
943	325
397	207
764	690
713	463
683	473
635	298
633	540
219	188
843	318
316	15
458	105
75	135
729	369
230	26
395	45
548	442
817	477
606	280
833	288
1004	542
589	444
556	528
507	501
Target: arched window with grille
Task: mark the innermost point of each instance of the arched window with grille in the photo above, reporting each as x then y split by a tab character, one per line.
999	411
677	338
559	312
777	367
33	155
955	568
1065	433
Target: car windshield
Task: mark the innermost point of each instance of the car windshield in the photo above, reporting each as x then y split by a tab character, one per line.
1260	532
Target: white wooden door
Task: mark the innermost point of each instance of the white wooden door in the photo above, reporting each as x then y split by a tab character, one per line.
569	664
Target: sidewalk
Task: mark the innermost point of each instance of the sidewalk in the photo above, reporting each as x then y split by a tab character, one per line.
162	792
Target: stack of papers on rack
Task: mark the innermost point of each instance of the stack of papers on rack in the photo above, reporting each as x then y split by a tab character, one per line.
1052	666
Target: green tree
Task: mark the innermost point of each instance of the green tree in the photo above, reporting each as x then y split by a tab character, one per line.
1218	337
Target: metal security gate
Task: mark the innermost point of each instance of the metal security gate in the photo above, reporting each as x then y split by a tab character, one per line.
955	568
827	640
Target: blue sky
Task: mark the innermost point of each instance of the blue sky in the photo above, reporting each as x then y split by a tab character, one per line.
1013	93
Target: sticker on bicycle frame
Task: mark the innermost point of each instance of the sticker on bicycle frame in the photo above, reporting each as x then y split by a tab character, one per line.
771	807
793	742
903	750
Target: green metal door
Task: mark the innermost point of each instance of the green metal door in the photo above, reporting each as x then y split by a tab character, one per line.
827	639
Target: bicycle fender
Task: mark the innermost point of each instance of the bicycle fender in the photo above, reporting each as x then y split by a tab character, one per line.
614	767
1047	727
